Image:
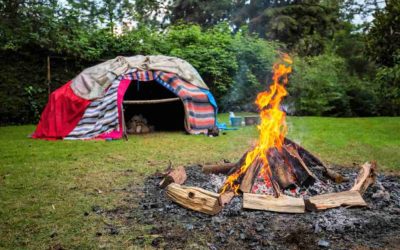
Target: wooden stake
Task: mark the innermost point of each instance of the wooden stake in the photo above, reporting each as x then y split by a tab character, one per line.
332	200
365	177
48	76
283	204
194	198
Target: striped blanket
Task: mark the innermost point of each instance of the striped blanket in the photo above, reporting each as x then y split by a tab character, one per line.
101	117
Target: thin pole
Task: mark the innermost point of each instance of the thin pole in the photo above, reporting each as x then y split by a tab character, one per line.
48	76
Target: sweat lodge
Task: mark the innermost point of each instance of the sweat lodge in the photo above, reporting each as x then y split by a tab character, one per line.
167	91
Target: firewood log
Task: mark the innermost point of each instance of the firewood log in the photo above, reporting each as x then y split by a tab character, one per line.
302	174
194	198
365	177
283	203
219	168
335	176
311	160
304	154
177	175
281	172
225	198
332	200
250	175
224	168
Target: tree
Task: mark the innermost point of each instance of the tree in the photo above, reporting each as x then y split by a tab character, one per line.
203	12
383	39
303	26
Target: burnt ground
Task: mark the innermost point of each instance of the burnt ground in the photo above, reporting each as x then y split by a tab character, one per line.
170	226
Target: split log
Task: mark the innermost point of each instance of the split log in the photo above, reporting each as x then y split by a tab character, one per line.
219	168
332	200
283	203
225	198
304	153
335	176
281	172
177	175
311	160
365	177
224	168
194	198
250	175
303	174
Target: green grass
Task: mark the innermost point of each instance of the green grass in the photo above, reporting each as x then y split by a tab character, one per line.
46	186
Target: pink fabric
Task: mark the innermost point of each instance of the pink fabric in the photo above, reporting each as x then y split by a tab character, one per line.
117	134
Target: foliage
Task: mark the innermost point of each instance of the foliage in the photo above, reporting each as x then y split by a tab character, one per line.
333	74
388	83
383	39
204	12
321	86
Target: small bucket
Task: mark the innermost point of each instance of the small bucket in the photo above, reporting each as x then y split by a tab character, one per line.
236	121
251	120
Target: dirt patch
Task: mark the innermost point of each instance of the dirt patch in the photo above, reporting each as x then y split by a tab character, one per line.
171	226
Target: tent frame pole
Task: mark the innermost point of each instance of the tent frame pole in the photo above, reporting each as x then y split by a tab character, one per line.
124	134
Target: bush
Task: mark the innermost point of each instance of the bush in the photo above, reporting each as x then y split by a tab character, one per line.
388	84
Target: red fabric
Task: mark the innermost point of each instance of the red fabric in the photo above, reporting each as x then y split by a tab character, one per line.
61	114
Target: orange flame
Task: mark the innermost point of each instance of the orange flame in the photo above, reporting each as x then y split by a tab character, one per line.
272	128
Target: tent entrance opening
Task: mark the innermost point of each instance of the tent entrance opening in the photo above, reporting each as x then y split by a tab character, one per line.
153	104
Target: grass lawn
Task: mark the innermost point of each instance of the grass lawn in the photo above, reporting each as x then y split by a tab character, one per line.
47	186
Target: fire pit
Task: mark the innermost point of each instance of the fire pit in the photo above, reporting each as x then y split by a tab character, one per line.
277	174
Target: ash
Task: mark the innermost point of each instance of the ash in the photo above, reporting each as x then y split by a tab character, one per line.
175	227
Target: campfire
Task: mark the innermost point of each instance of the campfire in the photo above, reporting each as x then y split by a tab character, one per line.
277	174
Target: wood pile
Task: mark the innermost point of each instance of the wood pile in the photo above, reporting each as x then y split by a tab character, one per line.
138	125
289	168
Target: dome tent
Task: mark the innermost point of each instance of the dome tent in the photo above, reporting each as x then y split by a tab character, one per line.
167	89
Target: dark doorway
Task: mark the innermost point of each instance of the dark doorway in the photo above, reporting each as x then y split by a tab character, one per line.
168	116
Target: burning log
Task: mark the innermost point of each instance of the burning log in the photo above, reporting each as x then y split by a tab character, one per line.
251	174
177	175
309	159
282	172
365	177
303	174
194	198
283	204
332	200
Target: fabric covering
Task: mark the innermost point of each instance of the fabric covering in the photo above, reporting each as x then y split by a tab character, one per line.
93	82
90	106
102	119
61	114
